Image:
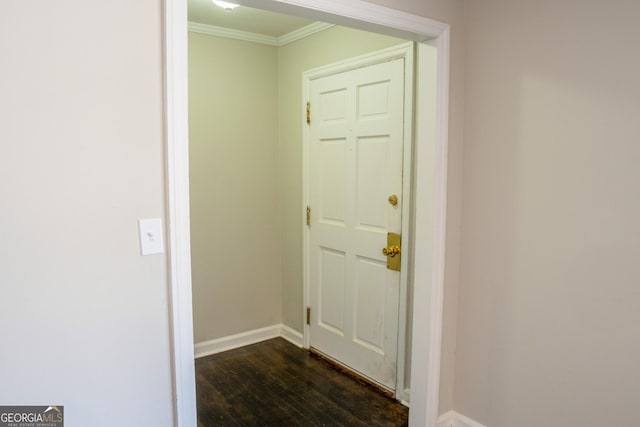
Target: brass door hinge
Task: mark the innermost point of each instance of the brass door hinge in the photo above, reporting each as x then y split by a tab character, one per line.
308	315
308	113
308	215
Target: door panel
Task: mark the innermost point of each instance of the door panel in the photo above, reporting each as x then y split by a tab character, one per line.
332	290
373	100
371	163
370	304
355	164
332	185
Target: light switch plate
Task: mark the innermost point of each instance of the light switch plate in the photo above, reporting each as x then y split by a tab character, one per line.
150	236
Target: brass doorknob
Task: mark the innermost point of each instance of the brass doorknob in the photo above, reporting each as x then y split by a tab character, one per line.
391	251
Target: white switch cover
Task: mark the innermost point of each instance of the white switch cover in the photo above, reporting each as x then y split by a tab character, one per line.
150	236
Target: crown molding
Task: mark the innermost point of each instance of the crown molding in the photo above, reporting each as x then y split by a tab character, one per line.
232	34
259	38
303	32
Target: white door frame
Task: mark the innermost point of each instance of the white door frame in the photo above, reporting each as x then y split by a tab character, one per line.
402	51
430	191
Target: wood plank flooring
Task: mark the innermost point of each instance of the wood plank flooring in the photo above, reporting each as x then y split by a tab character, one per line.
274	383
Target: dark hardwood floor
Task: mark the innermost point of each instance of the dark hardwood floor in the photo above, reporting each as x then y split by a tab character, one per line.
274	383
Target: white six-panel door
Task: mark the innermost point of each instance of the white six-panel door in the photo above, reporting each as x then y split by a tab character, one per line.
355	164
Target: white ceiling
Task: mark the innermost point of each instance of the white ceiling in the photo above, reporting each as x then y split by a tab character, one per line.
244	19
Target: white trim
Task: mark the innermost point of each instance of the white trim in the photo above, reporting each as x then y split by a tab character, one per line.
387	54
435	288
232	34
230	342
303	32
306	300
177	184
401	51
402	392
291	335
358	14
248	36
218	345
454	419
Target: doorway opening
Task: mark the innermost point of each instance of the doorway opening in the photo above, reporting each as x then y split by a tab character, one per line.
431	131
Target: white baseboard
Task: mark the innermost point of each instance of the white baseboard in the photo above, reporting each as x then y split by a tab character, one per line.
291	335
454	419
218	345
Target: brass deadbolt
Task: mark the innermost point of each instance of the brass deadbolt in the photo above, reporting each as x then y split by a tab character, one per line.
392	251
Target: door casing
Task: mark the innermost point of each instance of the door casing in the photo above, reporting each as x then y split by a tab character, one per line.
430	191
402	51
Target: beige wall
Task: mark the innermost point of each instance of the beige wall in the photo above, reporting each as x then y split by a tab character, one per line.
233	153
225	297
83	317
550	294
